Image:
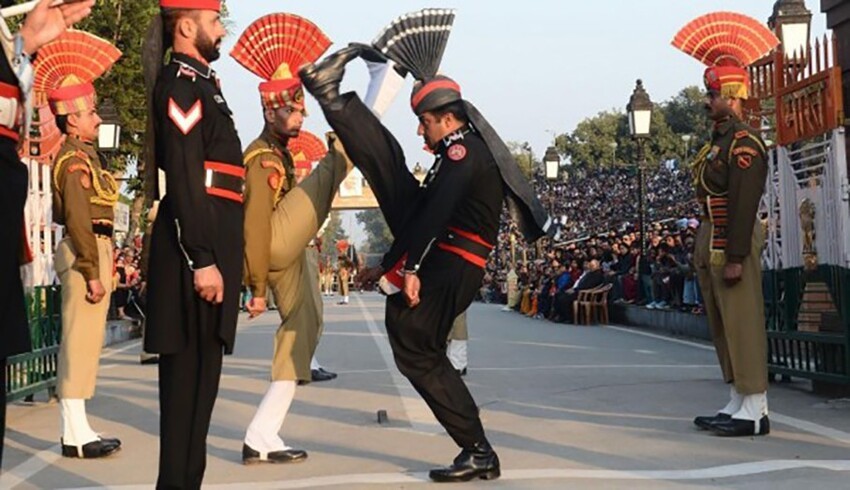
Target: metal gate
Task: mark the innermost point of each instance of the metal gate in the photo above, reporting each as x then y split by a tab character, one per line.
807	260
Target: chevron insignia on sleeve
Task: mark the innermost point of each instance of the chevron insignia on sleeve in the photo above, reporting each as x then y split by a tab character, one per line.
187	120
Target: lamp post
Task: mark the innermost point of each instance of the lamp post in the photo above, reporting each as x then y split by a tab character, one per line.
792	23
109	136
640	117
613	146
552	161
687	139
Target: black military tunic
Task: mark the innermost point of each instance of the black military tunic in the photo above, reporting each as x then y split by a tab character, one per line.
14	328
194	228
444	230
199	223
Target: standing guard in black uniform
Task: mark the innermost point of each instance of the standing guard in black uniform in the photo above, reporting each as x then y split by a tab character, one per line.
42	25
196	244
444	230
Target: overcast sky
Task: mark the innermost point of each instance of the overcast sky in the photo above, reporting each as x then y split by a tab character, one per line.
533	68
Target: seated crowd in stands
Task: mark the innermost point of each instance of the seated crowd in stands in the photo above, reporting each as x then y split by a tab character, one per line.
586	254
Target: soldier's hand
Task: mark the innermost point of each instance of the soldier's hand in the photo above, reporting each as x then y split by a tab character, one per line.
732	274
370	274
45	23
95	291
411	290
209	284
256	307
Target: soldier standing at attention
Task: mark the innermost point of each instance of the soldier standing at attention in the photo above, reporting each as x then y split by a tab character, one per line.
729	176
43	24
84	195
195	267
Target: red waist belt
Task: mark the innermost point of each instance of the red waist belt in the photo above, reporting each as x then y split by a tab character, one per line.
8	91
467	245
225	180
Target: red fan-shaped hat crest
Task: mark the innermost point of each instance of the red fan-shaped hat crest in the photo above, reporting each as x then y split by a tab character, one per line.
725	39
65	69
307	147
274	47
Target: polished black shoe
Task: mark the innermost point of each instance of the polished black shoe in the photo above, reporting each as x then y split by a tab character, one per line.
95	449
741	428
321	374
322	80
479	462
705	422
251	456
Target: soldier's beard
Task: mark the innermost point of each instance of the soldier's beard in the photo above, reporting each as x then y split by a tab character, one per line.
208	49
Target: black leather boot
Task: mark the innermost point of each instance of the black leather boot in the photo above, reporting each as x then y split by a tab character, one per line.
705	422
252	456
741	428
478	462
95	449
322	80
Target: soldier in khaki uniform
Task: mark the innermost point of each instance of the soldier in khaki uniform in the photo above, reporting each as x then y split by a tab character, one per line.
344	273
281	218
729	177
84	195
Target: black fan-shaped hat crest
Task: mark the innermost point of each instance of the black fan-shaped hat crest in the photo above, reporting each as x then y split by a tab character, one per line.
417	41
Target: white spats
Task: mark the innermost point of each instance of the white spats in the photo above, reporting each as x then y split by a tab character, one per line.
456	351
735	401
262	434
75	425
314	364
384	85
753	407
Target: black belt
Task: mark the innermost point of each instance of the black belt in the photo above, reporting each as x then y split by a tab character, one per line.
102	229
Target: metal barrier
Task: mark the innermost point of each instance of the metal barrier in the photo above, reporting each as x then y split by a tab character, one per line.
807	314
30	373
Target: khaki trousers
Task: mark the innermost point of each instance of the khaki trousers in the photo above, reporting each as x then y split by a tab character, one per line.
735	315
459	330
292	277
83	323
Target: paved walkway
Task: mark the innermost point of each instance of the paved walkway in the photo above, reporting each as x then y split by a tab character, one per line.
566	407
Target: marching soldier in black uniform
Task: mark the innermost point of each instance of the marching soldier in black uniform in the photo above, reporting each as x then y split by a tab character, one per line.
196	244
729	176
42	25
444	232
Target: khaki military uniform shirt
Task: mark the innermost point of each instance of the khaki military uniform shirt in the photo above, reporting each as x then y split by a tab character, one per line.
84	196
270	174
731	170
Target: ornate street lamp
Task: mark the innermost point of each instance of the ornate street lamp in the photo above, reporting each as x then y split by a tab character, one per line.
792	23
109	138
640	117
552	160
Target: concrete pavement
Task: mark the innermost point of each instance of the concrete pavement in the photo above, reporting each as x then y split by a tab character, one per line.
565	406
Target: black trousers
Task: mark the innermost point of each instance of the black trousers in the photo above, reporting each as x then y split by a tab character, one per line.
188	386
418	340
2	409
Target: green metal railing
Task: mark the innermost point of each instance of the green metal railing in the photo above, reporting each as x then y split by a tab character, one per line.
807	315
30	373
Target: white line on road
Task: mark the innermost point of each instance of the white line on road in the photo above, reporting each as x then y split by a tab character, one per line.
727	471
417	412
660	337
